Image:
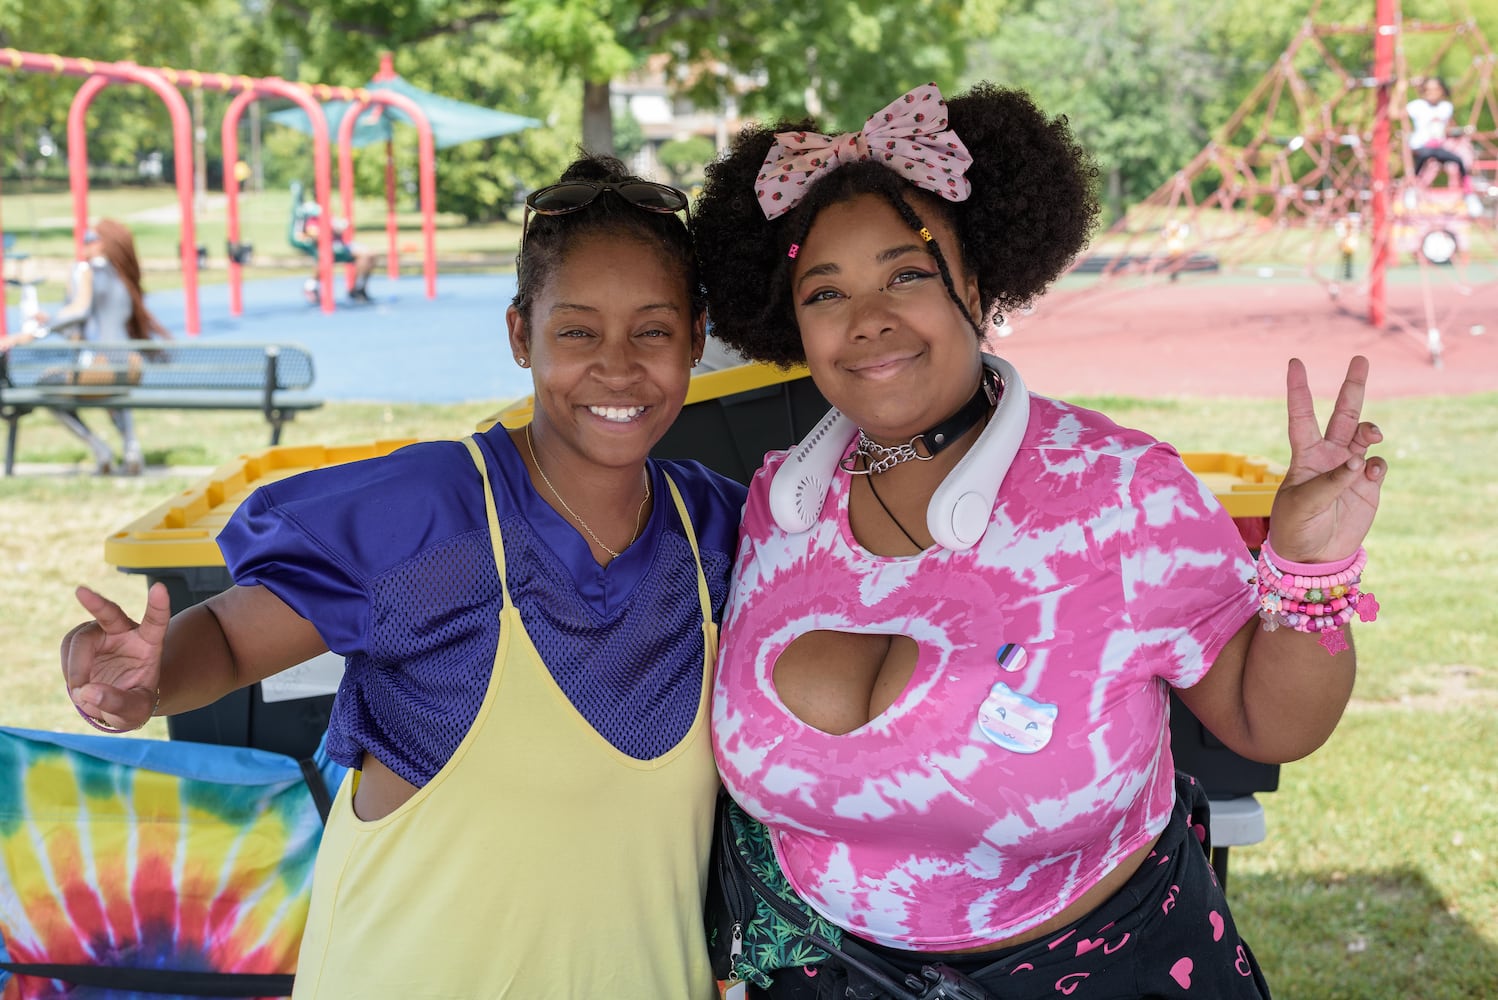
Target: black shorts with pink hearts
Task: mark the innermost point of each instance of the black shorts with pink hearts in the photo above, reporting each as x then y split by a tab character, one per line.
1166	934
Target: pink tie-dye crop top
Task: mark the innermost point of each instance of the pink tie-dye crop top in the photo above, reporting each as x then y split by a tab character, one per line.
1029	754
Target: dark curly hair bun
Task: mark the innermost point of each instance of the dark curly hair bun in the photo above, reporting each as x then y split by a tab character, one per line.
1032	209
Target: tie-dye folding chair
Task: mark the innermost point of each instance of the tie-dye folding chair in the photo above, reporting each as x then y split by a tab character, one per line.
148	868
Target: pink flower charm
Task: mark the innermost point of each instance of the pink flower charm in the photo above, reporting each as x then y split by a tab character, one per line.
1333	640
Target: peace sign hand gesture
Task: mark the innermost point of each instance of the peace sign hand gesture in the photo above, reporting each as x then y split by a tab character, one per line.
1326	502
112	664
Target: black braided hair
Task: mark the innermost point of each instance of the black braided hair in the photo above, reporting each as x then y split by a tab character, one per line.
1032	208
549	238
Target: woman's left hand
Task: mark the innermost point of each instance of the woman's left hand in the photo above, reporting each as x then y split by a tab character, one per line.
1326	502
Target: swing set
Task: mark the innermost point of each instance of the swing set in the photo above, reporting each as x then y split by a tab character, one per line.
166	83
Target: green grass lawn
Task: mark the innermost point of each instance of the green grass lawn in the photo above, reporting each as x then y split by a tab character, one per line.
1380	878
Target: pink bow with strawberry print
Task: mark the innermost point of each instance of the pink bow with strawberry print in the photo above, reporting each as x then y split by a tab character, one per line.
910	136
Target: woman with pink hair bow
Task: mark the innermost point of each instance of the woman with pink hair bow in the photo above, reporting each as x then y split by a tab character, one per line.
959	607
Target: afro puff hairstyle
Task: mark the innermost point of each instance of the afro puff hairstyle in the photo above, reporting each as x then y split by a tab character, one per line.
548	239
1032	208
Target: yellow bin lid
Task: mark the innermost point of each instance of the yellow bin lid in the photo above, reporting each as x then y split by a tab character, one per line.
708	385
182	531
1245	484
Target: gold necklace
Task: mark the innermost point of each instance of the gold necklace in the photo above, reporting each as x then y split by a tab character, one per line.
638	514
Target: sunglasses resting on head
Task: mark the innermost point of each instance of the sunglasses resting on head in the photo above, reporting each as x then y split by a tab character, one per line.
571	196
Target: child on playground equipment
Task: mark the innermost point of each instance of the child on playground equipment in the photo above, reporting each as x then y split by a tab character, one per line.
306	222
1430	120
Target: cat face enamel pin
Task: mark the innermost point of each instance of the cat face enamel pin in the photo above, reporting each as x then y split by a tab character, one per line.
1015	721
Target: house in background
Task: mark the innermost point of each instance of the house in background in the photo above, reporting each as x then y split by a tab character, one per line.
664	117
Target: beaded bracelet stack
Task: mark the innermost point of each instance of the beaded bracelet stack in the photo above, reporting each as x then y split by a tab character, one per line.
1319	598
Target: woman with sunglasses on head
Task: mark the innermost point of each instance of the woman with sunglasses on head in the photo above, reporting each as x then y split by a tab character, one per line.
958	607
106	302
528	618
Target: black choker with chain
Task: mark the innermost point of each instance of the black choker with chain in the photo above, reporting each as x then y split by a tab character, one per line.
926	445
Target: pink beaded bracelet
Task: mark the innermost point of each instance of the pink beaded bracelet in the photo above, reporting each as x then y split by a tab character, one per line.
1318	598
1313	569
1318	576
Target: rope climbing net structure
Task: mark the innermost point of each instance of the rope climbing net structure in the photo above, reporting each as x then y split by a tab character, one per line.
1315	171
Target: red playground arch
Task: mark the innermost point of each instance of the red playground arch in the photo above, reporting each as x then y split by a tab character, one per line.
165	81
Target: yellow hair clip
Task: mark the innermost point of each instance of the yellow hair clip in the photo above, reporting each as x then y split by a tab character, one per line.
925	234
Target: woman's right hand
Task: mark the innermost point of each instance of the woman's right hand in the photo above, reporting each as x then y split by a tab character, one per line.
112	664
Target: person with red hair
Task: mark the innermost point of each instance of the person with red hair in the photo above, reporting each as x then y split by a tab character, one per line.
106	302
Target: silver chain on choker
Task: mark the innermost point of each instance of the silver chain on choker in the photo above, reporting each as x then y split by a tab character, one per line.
879	458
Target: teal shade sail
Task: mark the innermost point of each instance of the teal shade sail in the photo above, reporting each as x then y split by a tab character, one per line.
452	121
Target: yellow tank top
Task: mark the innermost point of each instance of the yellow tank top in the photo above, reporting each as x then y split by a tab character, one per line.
539	862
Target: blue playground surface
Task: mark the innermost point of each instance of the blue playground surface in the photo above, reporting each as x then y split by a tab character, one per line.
401	347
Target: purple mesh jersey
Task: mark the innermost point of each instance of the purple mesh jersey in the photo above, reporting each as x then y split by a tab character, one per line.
390	559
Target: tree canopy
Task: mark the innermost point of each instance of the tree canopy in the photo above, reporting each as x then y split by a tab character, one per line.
1143	81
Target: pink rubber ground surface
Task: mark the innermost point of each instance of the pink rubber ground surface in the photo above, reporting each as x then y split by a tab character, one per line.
1212	336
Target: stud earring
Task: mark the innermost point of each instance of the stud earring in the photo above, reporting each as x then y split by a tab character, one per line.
523	362
695	362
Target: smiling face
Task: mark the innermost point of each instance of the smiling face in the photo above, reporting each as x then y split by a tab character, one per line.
610	339
884	340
